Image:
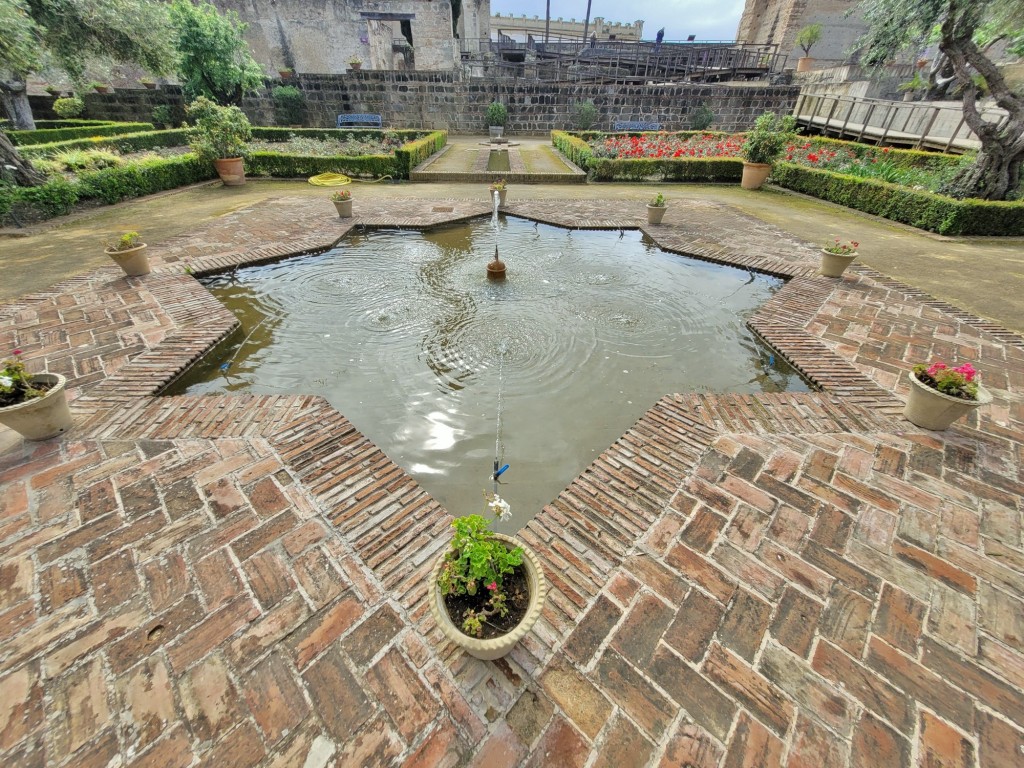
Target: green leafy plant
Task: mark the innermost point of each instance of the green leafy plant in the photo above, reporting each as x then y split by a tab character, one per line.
355	61
807	37
162	115
584	115
289	104
219	132
767	140
955	382
497	113
499	185
477	562
341	196
658	201
125	242
214	58
69	107
840	248
702	118
15	383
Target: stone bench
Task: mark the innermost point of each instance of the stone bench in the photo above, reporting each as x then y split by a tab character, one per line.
635	125
371	121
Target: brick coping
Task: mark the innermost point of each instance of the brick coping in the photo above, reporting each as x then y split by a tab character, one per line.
604	521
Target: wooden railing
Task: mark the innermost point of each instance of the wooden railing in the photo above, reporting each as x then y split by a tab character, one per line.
935	125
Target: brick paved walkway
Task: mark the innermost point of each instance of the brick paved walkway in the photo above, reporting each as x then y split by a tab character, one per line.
798	579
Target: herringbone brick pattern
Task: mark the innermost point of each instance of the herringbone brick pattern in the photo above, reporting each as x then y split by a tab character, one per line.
787	579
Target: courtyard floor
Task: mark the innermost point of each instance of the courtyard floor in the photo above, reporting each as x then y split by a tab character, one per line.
799	579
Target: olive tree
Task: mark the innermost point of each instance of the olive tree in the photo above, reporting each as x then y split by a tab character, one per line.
961	27
71	32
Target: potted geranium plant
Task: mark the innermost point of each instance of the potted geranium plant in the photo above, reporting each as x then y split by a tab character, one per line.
497	116
220	135
342	200
939	395
129	252
501	187
32	404
837	256
656	209
763	145
487	589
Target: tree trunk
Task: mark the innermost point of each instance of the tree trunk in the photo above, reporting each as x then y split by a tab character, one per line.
24	174
996	172
14	97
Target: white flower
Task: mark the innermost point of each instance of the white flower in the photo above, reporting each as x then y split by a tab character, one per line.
500	508
6	381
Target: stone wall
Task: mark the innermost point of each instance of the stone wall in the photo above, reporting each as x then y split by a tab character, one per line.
450	101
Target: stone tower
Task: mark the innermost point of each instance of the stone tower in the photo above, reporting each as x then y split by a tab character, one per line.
779	21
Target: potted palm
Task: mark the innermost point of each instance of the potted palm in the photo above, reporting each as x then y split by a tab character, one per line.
806	38
837	256
763	145
939	395
34	405
486	590
342	200
129	252
220	135
656	209
497	116
501	187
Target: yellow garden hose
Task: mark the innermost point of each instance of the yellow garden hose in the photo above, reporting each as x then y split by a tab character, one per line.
339	180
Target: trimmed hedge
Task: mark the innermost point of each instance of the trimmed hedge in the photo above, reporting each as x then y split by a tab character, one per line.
129	142
926	210
76	123
398	166
415	152
50	135
143	177
574	147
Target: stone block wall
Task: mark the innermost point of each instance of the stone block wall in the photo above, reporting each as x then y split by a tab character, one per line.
447	100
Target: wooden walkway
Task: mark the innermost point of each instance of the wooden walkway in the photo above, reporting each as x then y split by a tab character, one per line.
921	125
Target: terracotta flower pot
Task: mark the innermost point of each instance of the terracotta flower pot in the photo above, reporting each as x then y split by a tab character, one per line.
344	208
42	417
655	213
834	264
755	174
231	171
804	64
496	647
133	261
930	409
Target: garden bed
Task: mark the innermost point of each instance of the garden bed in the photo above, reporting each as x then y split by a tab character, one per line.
897	184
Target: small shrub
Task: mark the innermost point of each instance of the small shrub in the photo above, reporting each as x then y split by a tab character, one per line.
767	140
584	115
219	132
702	118
289	105
69	107
162	116
497	114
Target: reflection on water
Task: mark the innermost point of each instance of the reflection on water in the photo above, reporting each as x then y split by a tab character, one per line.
404	334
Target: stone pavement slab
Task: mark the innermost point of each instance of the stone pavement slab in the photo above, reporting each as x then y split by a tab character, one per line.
774	579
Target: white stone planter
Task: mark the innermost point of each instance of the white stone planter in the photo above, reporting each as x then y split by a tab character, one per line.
930	409
834	264
344	208
655	213
133	261
42	417
496	647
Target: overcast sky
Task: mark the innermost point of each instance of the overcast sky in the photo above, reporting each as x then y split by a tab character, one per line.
707	19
